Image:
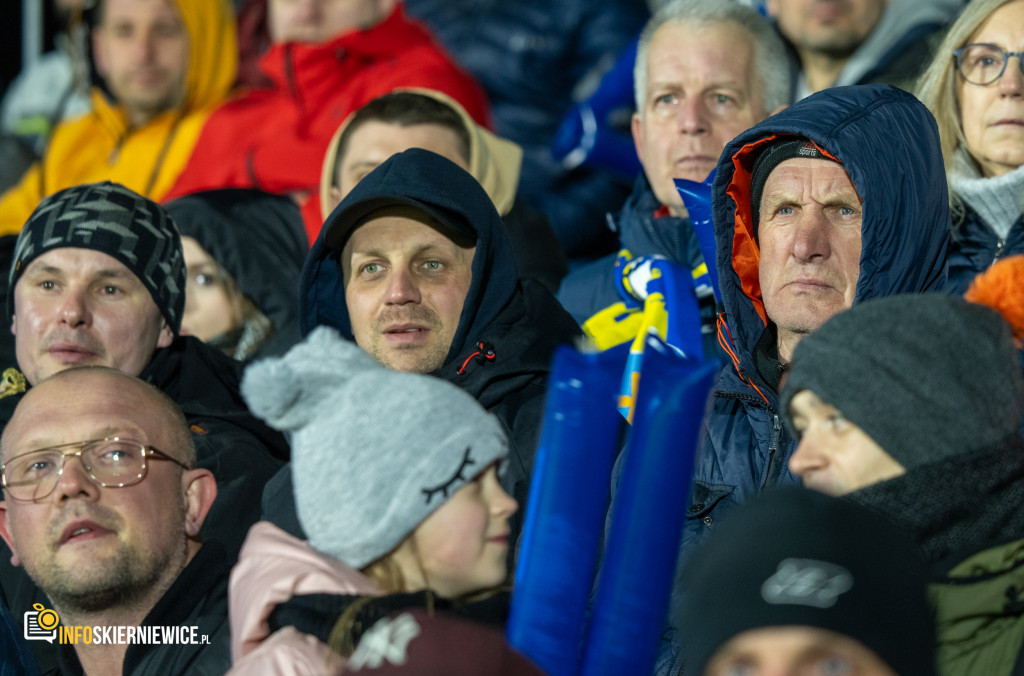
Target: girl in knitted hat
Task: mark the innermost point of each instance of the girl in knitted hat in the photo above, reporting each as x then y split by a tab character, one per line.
396	485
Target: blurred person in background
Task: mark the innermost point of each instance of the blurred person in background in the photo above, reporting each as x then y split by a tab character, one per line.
975	89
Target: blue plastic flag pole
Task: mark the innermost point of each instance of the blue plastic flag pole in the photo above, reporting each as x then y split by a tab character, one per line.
566	509
647	516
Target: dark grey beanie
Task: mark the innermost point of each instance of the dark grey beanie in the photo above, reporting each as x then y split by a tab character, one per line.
112	219
926	376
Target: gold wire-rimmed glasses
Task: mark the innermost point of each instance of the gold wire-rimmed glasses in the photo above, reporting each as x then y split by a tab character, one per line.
112	462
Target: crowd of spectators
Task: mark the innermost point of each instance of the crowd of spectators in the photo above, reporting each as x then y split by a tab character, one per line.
297	289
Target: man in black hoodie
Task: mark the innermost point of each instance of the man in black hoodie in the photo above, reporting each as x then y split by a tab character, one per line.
415	266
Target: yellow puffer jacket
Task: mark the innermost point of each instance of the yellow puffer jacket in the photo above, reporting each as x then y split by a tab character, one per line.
101	146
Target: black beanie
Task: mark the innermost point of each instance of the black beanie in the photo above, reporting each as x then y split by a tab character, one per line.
796	557
772	156
114	220
926	376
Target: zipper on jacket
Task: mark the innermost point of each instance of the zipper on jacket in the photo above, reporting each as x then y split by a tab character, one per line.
742	396
773	447
1000	248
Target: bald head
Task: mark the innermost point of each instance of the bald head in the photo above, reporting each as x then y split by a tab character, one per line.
95	390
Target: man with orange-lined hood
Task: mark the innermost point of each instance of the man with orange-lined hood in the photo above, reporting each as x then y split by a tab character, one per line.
838	199
164	64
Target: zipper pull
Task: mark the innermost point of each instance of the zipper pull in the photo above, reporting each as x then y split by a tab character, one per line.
1000	247
771	475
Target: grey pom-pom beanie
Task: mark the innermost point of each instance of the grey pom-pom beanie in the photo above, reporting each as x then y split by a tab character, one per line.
926	376
374	451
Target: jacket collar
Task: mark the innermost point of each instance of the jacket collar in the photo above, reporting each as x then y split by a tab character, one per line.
307	71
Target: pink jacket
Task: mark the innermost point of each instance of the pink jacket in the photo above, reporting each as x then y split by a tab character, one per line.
273	567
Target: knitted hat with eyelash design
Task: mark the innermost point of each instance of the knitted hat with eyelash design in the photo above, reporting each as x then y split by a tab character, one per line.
374	451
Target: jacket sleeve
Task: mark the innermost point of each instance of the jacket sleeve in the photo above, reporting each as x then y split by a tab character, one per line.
272	568
289	652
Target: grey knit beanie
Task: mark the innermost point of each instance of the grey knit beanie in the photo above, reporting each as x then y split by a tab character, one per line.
114	220
926	376
374	451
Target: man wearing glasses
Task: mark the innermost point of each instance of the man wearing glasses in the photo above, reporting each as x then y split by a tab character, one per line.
103	507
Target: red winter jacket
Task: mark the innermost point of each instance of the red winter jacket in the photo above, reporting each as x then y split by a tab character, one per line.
275	139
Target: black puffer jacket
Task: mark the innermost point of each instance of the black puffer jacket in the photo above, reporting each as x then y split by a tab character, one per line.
975	246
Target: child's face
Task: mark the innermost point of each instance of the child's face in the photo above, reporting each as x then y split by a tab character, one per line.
462	547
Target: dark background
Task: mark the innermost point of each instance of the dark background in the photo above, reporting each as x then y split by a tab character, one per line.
10	38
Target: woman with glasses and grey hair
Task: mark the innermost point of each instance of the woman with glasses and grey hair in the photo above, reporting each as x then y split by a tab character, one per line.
975	89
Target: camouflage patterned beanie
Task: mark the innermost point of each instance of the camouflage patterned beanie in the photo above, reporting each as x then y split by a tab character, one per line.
109	218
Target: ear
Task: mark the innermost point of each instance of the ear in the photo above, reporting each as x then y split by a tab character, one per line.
99	56
5	532
14	325
638	135
778	110
166	335
335	195
200	490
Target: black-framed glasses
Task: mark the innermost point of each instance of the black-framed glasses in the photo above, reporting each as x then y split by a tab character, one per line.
982	64
112	462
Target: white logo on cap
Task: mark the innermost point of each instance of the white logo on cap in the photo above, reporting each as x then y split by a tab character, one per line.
806	582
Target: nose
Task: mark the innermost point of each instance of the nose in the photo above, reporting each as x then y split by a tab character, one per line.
810	236
75	482
502	504
74	310
145	46
806	458
692	115
402	288
309	10
1011	83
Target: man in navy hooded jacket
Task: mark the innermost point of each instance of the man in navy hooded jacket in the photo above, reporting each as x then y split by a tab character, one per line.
784	277
837	199
415	266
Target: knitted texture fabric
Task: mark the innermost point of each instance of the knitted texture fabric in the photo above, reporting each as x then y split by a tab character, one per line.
957	505
1001	287
827	563
109	218
926	376
374	451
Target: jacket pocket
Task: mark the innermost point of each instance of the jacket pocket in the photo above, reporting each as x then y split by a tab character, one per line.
705	498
